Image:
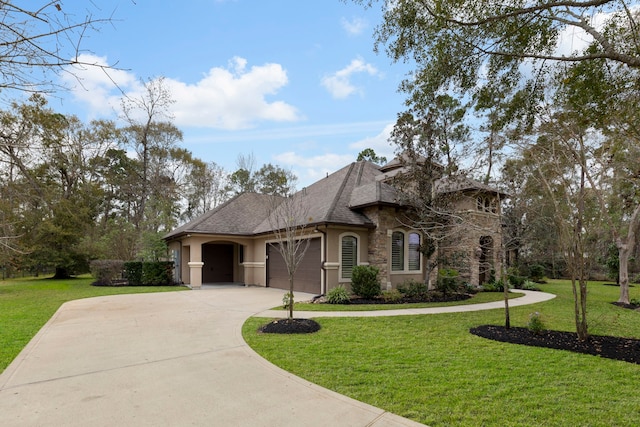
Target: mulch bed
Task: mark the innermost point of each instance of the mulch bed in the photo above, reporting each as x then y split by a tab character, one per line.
624	349
290	326
428	297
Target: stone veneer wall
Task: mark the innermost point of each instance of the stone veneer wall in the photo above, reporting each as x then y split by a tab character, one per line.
378	250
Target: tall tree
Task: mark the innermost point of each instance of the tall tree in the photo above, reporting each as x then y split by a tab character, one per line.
370	155
152	136
207	187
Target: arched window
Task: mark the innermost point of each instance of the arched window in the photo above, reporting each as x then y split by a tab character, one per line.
405	251
414	252
348	255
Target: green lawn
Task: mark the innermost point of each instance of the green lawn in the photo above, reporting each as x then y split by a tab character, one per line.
27	304
431	369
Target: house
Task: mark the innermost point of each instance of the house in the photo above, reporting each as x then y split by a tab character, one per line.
355	218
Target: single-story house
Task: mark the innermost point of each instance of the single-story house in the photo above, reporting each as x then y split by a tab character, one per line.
354	218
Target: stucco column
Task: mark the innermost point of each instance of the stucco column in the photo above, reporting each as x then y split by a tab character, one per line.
195	274
195	265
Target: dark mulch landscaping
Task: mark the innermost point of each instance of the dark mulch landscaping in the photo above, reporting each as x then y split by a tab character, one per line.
624	349
290	326
427	297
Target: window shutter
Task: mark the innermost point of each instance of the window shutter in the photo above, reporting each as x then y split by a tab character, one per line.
349	255
397	251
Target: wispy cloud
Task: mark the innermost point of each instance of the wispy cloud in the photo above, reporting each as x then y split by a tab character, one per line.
354	26
339	84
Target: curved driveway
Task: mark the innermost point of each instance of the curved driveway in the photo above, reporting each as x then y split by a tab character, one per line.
167	359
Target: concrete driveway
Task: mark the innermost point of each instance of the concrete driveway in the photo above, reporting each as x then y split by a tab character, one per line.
166	359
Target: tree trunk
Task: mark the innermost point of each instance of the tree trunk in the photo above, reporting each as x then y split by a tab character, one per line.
61	273
290	296
623	273
625	245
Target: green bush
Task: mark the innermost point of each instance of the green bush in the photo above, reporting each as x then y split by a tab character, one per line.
515	279
448	280
364	281
287	300
536	324
536	272
496	286
105	271
412	288
393	295
530	286
152	273
338	295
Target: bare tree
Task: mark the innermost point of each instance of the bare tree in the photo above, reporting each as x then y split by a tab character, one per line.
37	39
289	218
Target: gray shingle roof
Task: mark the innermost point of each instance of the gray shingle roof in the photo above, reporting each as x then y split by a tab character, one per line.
238	216
329	201
336	199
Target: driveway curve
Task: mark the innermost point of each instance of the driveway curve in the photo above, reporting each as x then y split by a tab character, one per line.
167	359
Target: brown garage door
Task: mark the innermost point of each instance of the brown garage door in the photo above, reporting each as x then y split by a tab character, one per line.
308	275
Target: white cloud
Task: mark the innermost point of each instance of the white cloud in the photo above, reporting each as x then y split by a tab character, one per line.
379	143
225	98
339	83
354	26
93	83
313	168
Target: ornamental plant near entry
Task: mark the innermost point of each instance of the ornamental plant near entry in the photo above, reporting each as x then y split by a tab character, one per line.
364	281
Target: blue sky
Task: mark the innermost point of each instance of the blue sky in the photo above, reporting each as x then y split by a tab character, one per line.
295	83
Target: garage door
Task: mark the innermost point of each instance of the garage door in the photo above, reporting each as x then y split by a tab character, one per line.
308	275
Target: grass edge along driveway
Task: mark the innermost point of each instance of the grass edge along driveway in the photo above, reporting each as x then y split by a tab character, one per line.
429	368
27	304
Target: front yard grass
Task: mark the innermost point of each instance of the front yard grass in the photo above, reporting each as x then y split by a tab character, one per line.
429	368
27	304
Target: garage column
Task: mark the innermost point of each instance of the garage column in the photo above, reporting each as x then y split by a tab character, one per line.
195	266
195	274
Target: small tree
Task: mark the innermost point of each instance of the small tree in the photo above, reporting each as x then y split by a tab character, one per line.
289	220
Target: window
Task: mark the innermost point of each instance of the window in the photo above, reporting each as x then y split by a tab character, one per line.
414	252
487	204
405	243
348	255
397	251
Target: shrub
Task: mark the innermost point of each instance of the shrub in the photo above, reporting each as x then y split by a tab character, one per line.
535	324
496	286
156	273
536	272
393	295
286	300
447	280
412	288
514	277
105	271
530	286
338	295
364	281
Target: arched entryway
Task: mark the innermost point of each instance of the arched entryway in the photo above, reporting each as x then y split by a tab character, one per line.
485	265
218	261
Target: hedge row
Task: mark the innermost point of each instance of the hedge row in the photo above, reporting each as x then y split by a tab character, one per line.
159	273
132	273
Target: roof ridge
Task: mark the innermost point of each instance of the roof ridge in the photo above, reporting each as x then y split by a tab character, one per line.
339	192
